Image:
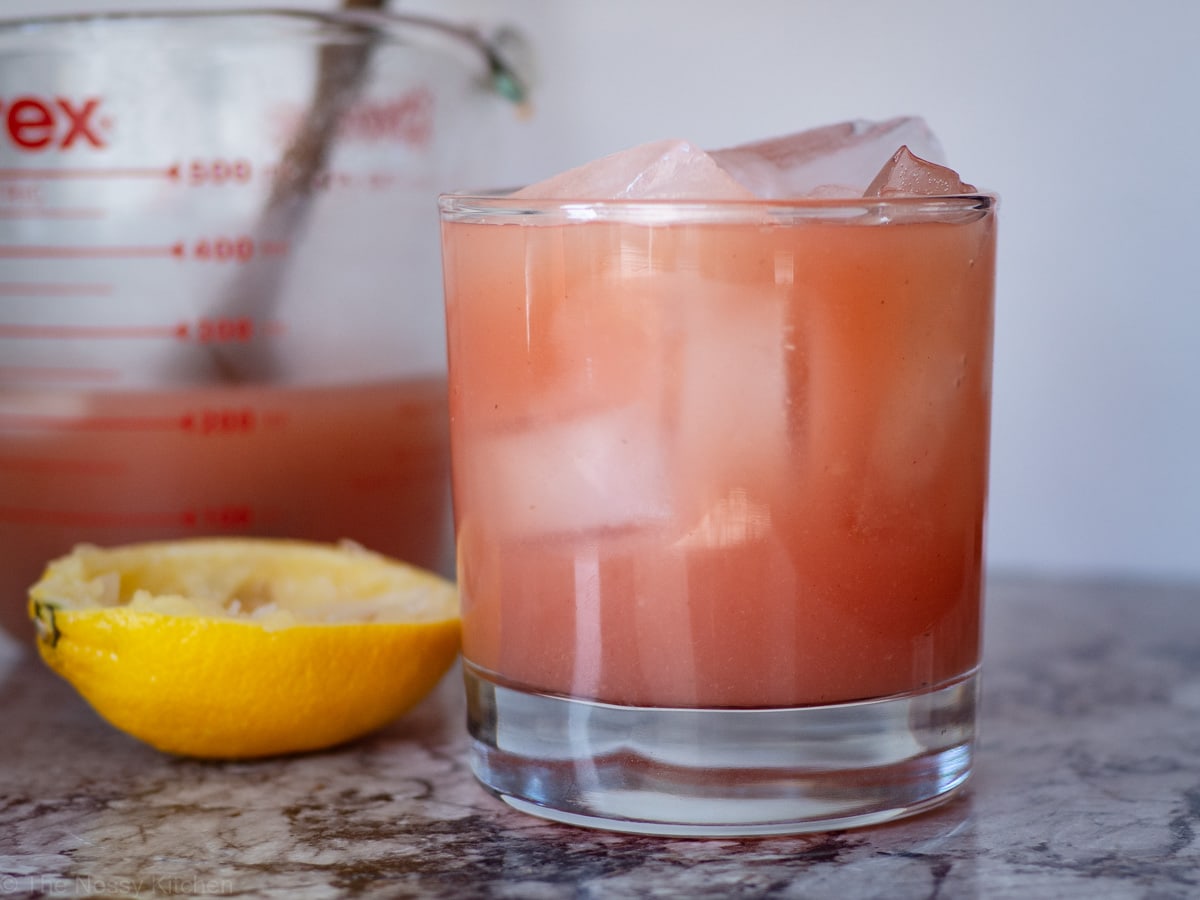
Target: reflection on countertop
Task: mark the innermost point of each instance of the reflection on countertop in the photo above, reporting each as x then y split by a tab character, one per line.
1088	786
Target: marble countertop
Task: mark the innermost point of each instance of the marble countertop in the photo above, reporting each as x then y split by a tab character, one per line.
1088	786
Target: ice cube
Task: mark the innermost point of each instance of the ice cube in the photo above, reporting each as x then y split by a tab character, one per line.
906	174
600	470
662	170
731	455
836	160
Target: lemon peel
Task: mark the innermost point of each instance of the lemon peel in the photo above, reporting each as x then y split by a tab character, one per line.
245	647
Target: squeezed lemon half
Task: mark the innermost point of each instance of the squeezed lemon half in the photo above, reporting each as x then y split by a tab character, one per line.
246	647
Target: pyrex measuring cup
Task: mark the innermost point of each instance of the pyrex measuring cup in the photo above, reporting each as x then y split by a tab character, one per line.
219	292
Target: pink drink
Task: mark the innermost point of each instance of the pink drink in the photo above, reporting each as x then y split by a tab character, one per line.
367	462
719	464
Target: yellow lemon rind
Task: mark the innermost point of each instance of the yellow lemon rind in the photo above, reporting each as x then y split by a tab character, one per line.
176	712
228	688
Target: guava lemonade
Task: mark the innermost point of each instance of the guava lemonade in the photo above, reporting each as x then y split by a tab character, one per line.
712	464
365	461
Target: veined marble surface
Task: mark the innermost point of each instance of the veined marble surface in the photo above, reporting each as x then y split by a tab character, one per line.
1088	786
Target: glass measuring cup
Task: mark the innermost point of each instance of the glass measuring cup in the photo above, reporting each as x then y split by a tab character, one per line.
219	295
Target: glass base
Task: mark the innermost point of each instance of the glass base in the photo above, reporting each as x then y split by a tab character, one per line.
720	772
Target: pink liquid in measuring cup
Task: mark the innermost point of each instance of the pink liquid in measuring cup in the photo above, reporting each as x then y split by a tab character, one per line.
366	462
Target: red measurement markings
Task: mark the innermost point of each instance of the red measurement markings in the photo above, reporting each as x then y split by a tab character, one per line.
35	422
227	517
241	420
64	251
219	172
57	374
204	422
92	332
80	518
84	172
231	420
224	249
40	465
53	289
230	516
239	249
211	172
236	329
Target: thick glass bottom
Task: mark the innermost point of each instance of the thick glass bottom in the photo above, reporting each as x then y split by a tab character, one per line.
721	772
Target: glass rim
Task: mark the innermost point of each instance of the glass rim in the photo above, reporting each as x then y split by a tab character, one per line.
352	21
351	27
500	205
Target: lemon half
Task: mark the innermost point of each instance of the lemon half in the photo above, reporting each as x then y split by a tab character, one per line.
247	647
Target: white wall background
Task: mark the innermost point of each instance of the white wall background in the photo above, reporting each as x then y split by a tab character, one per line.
1083	114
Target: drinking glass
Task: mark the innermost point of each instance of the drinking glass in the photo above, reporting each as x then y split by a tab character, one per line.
720	474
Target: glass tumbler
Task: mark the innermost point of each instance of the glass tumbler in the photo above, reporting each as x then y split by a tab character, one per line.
720	475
